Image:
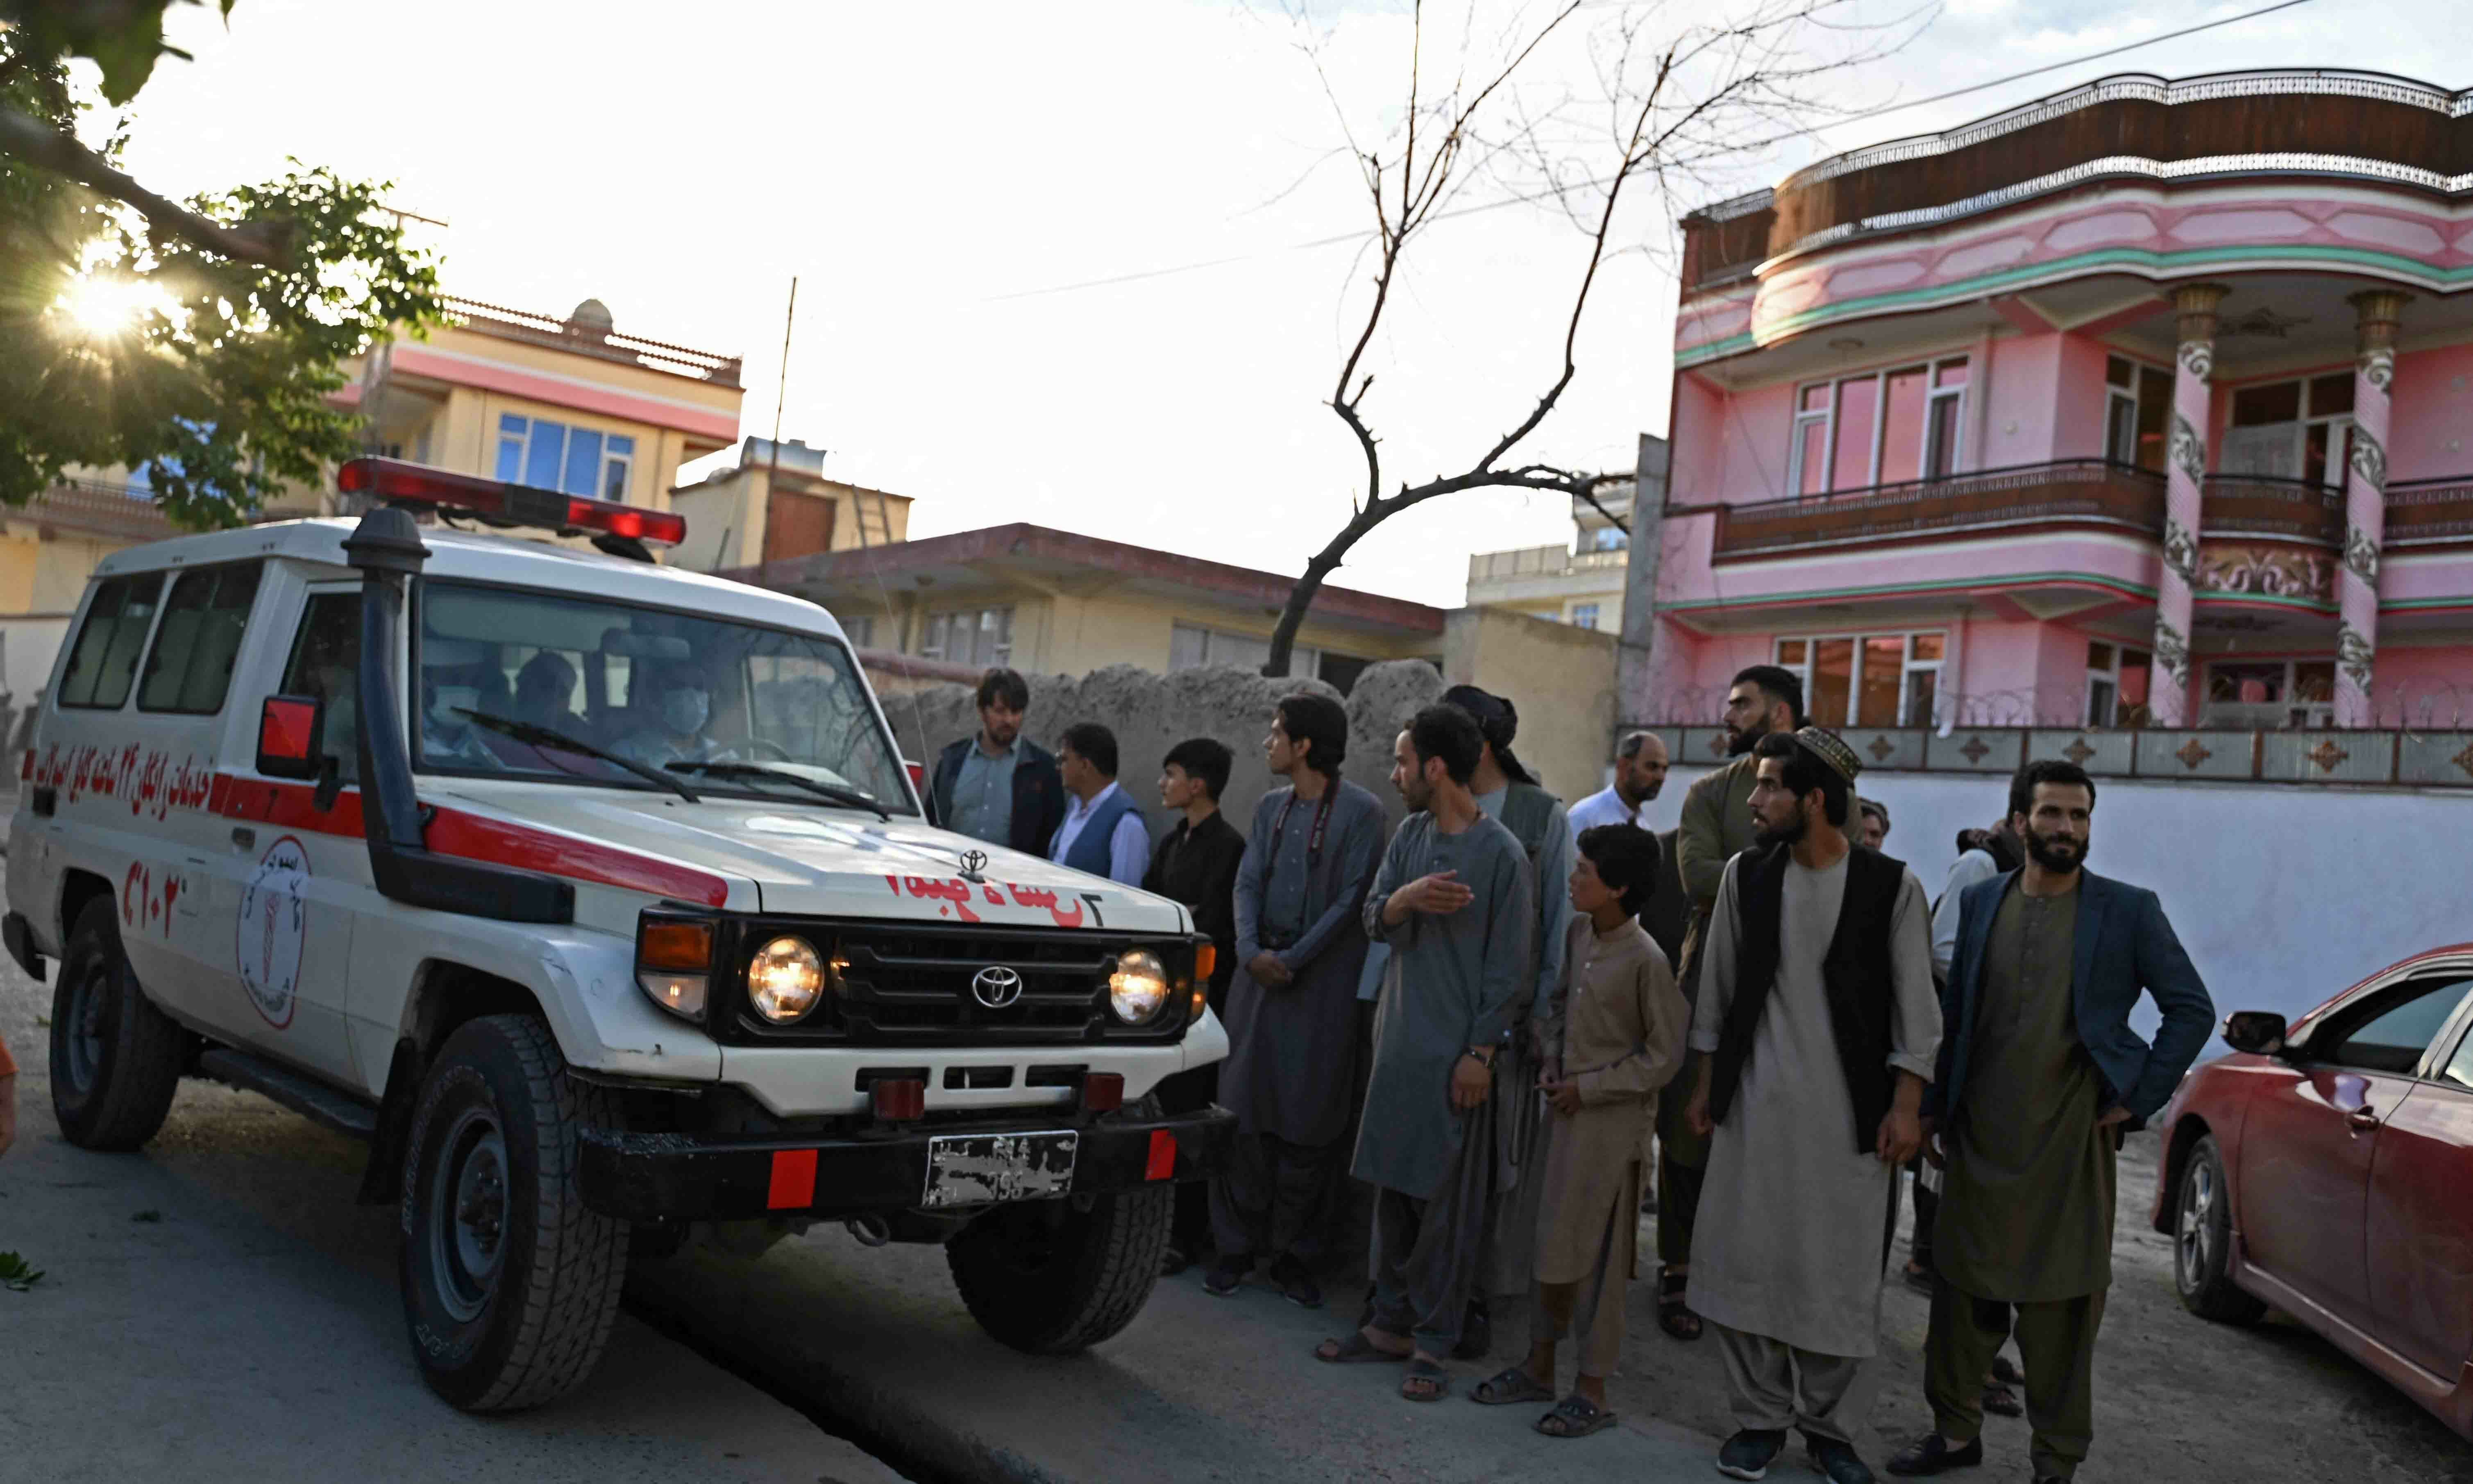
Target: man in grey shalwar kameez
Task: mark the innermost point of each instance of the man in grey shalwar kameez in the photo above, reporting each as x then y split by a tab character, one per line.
1290	1073
1455	902
1819	1016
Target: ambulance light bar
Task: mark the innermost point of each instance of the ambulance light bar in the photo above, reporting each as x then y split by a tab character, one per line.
396	482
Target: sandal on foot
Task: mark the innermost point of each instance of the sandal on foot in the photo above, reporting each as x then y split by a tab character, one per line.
1354	1349
1674	1315
1575	1416
1512	1385
1426	1381
2000	1401
2004	1373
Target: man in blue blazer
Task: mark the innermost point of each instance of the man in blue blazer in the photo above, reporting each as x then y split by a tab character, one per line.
2039	1076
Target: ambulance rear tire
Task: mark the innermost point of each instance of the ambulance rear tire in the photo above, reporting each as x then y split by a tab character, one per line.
115	1058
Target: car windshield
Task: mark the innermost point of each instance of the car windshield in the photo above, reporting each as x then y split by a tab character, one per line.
652	685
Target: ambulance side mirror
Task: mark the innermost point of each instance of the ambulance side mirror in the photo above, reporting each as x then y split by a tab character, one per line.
291	737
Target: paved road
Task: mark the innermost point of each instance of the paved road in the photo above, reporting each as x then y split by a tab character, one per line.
216	1308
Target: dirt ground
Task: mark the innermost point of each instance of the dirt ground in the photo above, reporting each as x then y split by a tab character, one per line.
2176	1398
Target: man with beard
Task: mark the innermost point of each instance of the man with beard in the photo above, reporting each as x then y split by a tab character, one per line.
1818	1026
998	786
1452	899
1290	1076
1717	827
1508	792
2038	1078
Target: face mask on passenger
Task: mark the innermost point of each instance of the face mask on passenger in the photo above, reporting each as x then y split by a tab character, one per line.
685	711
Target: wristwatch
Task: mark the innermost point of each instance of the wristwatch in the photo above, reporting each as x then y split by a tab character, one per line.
1486	1061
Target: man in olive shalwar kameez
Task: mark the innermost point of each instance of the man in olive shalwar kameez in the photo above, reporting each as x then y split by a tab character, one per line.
1291	1067
1453	899
1820	1024
1614	1029
2039	1076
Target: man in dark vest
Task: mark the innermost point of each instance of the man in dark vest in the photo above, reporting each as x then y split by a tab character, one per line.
1818	1025
1508	794
1717	825
1104	831
996	784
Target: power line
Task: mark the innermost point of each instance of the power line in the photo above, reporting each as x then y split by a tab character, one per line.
1113	280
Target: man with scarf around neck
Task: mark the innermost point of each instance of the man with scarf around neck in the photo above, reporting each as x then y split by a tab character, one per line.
1290	1077
1818	1025
1510	794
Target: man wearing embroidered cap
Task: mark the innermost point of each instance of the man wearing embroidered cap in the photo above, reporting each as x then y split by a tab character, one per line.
1820	1024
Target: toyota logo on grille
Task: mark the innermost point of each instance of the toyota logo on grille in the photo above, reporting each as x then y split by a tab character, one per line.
996	987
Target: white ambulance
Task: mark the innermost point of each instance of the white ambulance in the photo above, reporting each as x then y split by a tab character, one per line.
596	896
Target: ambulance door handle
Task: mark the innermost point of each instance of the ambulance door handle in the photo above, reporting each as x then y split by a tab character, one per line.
243	837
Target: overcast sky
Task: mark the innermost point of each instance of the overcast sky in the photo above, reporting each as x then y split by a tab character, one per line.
941	175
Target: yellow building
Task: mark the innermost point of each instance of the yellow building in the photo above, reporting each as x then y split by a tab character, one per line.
1054	603
775	504
567	403
1581	584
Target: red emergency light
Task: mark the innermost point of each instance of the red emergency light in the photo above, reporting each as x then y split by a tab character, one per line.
399	483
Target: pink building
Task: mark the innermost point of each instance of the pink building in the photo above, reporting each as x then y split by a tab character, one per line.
2149	403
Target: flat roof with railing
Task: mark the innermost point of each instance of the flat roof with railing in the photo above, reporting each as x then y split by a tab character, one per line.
584	338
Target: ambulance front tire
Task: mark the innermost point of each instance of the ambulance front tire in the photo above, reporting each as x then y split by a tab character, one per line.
509	1283
116	1058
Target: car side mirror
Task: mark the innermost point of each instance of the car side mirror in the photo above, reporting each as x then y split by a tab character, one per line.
2259	1032
291	737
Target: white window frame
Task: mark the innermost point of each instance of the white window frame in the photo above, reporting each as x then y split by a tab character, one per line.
1934	394
1573	618
1908	666
2097	675
937	635
2339	425
1874	474
2129	397
1303	658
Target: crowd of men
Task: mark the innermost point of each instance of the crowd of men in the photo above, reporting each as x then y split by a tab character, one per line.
1520	1025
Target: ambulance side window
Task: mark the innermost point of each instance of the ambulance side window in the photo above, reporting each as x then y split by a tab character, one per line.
190	667
103	664
326	663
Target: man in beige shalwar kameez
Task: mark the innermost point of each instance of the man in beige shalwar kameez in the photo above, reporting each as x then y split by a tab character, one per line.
1615	1031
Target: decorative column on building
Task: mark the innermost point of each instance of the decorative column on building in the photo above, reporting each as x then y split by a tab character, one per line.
2365	507
2185	473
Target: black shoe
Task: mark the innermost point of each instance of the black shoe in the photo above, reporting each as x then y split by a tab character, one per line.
1748	1453
1477	1333
1931	1453
1174	1261
1297	1285
1837	1461
1225	1275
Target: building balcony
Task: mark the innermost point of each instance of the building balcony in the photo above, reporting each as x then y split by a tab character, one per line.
96	508
2239	508
1542	573
2068	492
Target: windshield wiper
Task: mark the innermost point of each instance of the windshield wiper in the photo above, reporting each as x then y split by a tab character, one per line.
542	736
756	770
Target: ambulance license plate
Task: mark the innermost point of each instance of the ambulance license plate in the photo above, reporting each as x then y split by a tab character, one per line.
984	1169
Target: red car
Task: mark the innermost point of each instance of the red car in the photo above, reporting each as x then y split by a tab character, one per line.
2326	1168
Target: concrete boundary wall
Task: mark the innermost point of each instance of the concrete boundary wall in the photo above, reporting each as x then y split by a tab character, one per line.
2282	897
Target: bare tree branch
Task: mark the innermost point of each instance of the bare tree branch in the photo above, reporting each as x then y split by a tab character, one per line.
1715	78
40	145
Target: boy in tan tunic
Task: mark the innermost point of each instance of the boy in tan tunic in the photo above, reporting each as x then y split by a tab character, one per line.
1615	1031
